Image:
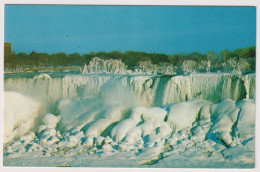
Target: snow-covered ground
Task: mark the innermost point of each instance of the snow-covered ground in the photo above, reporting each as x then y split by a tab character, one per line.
197	120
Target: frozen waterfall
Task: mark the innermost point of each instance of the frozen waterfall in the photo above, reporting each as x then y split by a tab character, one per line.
148	90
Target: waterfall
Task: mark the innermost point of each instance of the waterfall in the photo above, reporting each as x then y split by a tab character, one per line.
149	90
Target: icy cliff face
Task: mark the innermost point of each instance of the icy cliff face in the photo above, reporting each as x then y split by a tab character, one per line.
148	90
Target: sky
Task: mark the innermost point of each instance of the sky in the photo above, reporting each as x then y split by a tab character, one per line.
159	29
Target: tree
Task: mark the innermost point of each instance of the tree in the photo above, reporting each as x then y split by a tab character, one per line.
225	54
175	59
196	56
115	55
189	66
211	55
58	59
145	65
75	59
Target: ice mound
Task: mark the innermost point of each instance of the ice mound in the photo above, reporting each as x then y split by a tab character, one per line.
155	114
100	125
246	121
224	115
51	120
143	121
183	114
88	115
42	76
233	120
20	113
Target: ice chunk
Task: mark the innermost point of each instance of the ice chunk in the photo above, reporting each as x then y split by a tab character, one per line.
100	140
108	140
41	128
148	127
107	147
49	132
27	137
50	141
50	120
126	146
164	130
133	135
89	141
120	130
155	114
73	140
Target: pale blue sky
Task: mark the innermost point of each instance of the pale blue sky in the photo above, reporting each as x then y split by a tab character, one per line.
161	29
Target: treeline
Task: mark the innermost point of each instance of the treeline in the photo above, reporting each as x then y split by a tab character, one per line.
225	60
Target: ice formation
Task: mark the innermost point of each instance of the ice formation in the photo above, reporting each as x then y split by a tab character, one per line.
20	113
146	118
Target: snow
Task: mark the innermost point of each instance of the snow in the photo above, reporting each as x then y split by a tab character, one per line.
239	153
